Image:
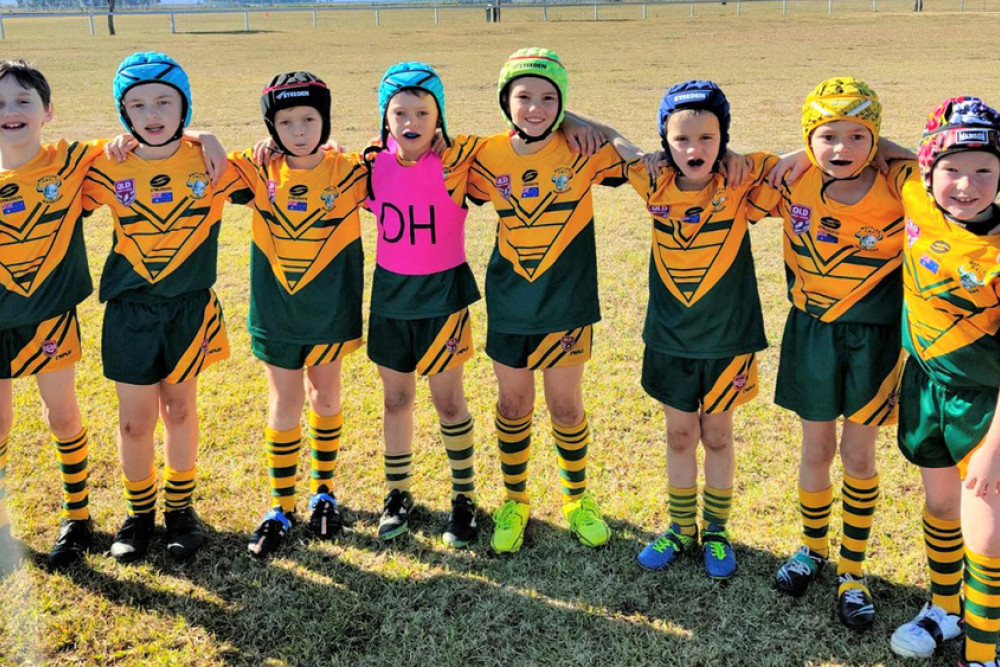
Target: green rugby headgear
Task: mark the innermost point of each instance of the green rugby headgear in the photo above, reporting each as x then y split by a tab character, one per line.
539	62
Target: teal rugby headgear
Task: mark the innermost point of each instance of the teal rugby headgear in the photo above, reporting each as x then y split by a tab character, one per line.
152	67
410	76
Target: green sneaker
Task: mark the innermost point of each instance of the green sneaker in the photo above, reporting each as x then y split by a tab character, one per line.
509	522
586	522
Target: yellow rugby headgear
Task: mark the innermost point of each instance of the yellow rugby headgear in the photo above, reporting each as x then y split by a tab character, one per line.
842	98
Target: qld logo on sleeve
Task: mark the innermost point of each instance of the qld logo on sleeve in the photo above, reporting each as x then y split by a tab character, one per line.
800	216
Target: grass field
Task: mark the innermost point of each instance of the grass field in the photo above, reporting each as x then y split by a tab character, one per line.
354	602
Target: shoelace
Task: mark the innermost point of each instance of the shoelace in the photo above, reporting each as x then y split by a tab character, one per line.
505	514
668	539
796	566
717	549
856	596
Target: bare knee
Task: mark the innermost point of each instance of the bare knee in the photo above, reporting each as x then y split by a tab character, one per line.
717	440
682	437
566	413
179	412
136	428
859	462
398	401
515	406
818	453
324	401
451	409
944	506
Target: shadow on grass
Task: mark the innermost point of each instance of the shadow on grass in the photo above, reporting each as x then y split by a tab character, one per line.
358	602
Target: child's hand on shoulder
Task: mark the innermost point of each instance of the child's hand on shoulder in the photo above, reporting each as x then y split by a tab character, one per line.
789	169
212	151
655	162
735	168
582	137
118	149
264	151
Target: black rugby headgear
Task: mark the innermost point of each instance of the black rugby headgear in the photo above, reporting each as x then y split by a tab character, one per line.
295	89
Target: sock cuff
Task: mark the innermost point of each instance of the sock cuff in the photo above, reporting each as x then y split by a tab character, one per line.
325	422
990	562
682	490
76	438
861	484
819	498
171	475
520	423
951	525
140	484
283	437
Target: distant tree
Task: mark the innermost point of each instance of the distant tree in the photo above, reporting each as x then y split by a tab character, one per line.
111	17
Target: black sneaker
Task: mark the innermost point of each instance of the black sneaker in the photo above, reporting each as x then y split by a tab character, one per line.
133	538
73	541
855	606
462	528
185	534
270	534
395	515
325	521
799	571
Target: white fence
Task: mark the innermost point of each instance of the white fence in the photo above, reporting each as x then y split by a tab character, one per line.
545	11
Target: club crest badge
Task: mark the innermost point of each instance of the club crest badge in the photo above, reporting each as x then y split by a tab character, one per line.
329	198
567	343
198	183
718	200
969	278
50	348
49	186
561	179
868	238
125	191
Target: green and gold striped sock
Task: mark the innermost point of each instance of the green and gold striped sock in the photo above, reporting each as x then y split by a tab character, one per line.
178	488
72	455
572	443
324	433
815	509
281	448
683	506
716	506
982	606
399	470
140	495
514	439
459	443
945	550
859	498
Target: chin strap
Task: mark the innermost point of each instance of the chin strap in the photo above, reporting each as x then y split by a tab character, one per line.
131	128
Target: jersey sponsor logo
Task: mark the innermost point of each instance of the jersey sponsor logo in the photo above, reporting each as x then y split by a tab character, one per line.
198	183
912	233
49	186
50	348
163	196
801	216
15	206
825	236
159	181
561	179
529	191
125	191
693	215
503	185
329	198
968	275
718	200
940	247
829	223
299	190
929	264
9	190
868	237
740	381
659	210
529	175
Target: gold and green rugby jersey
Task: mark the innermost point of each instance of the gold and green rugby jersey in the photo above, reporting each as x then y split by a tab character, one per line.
306	261
843	261
542	275
166	222
43	261
951	307
703	300
409	297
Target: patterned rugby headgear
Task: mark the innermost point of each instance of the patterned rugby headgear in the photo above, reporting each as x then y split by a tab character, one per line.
539	62
410	76
842	98
295	89
696	94
151	67
958	124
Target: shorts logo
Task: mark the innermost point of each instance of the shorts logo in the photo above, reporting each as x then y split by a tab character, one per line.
198	182
452	345
800	218
329	198
929	264
912	233
868	238
272	190
204	344
659	210
739	382
940	247
50	348
892	400
503	185
125	191
49	186
567	343
693	215
561	179
15	206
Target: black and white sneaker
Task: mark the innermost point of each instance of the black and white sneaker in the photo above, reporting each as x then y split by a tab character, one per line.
74	540
855	606
185	534
462	528
270	534
799	571
133	538
922	636
325	521
395	515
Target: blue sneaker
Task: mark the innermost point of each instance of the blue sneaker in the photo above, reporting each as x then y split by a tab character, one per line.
720	559
663	551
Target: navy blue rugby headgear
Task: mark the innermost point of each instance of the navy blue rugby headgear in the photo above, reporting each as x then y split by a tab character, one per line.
696	94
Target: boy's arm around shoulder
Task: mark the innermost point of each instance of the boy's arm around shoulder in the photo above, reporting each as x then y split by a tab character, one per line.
763	198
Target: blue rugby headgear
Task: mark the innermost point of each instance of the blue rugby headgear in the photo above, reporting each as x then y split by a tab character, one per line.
410	76
696	94
152	67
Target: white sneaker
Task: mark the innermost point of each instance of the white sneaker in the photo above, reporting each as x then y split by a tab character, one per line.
991	663
922	636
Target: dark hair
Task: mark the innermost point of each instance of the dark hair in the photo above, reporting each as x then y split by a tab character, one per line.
27	77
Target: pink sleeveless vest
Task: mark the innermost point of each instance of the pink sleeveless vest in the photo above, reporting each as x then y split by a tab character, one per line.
420	229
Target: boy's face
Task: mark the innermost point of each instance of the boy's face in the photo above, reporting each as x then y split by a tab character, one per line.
534	104
841	147
965	184
22	114
299	129
693	138
412	119
155	110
